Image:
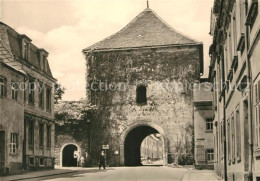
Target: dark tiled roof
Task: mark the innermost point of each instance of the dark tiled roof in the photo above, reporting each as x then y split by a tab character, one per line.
7	58
16	49
146	30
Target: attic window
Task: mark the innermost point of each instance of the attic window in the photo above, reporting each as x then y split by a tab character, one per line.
25	50
44	63
141	95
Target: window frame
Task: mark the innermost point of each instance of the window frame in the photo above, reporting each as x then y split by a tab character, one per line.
210	155
48	98
48	132
3	87
41	135
31	91
41	90
31	130
14	90
209	123
14	143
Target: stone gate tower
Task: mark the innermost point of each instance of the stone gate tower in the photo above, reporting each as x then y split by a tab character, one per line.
140	79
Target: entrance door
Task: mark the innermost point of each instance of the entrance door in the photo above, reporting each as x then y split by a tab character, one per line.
2	151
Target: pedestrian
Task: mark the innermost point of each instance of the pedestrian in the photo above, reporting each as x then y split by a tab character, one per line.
102	160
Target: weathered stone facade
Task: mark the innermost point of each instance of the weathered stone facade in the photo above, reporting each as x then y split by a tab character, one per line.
26	110
115	73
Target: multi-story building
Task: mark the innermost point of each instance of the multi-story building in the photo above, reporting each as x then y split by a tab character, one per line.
234	72
27	101
203	125
152	148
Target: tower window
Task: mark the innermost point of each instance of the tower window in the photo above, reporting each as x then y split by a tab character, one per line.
141	95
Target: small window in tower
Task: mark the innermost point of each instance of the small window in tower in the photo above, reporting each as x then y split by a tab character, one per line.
141	95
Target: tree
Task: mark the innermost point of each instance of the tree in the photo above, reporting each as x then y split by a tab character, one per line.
58	92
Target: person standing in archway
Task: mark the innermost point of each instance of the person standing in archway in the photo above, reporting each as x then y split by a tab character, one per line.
102	160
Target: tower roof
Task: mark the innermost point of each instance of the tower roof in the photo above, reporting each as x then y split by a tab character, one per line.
145	30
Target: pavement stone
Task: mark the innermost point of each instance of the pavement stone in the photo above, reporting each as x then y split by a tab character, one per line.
201	175
36	174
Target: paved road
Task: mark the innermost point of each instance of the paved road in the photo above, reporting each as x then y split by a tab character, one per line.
149	173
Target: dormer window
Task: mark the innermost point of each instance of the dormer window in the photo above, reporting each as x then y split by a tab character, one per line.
25	41
25	50
43	54
44	63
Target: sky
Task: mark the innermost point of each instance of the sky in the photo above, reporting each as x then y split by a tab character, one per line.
65	27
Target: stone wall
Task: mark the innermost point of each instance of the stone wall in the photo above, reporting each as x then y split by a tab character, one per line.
162	70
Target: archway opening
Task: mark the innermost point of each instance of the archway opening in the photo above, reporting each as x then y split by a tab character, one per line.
132	144
68	159
152	150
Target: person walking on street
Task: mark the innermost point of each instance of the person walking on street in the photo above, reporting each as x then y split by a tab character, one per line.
102	160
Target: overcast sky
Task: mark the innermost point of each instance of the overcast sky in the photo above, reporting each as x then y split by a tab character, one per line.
65	27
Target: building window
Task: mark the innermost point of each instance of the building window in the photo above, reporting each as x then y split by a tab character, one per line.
41	95
31	90
141	95
41	162
14	88
48	99
228	141
233	139
31	161
257	111
25	50
209	124
234	32
210	154
252	13
31	133
238	134
44	63
48	136
41	135
2	86
14	143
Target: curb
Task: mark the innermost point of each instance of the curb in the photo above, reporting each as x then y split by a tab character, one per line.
186	176
40	176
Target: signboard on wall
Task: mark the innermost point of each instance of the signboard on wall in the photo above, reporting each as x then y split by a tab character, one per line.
105	147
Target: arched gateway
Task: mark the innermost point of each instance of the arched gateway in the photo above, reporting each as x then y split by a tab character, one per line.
67	157
140	80
131	140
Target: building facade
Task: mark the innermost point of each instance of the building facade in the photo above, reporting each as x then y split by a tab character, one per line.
27	102
234	73
138	78
203	126
152	149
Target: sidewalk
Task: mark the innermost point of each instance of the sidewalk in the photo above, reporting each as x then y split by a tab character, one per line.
201	175
37	174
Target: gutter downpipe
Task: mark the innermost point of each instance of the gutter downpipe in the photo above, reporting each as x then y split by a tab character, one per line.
224	125
250	102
